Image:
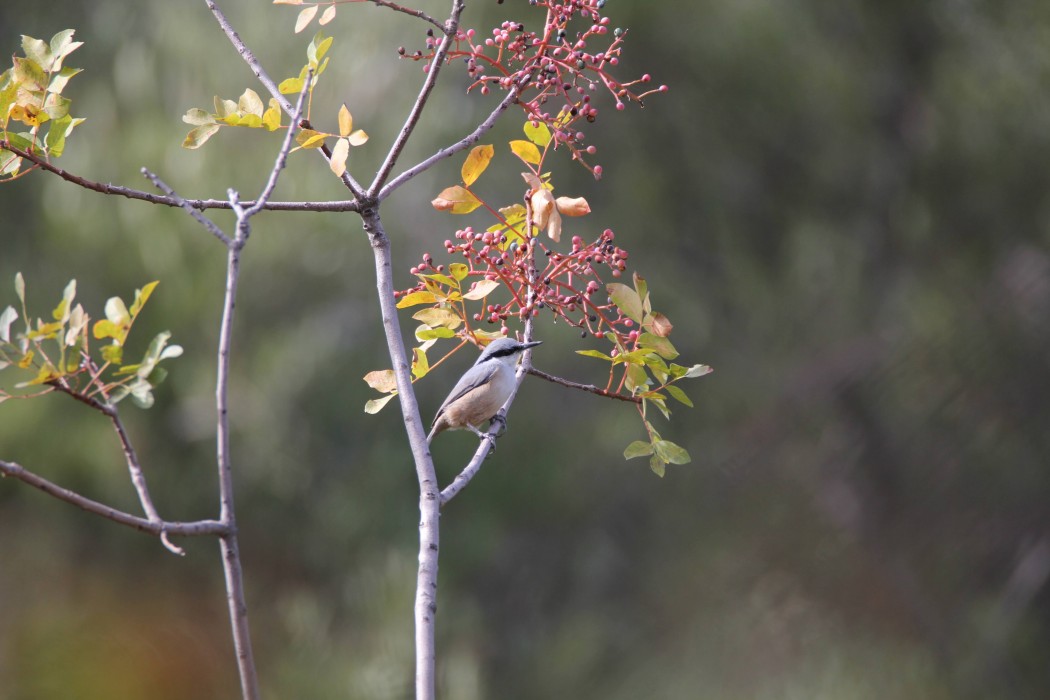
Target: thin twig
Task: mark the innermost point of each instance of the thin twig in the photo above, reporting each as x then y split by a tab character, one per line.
271	87
435	66
207	223
419	14
199	204
138	477
465	142
583	387
182	529
282	154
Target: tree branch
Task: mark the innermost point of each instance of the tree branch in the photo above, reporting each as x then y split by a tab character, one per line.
583	387
419	14
169	201
450	30
184	529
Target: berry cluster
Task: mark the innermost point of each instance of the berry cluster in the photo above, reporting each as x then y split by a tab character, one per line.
569	285
551	66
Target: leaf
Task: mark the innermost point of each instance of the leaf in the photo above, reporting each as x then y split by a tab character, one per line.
698	371
661	346
657	465
459	271
271	118
626	299
638	448
250	103
308	138
636	377
38	51
420	366
62	45
438	318
376	405
573	206
456	200
78	320
26	361
105	329
643	291
111	353
670	452
425	333
678	395
481	290
197	137
61	312
56	106
141	297
358	138
142	393
7	317
538	134
117	312
60	79
20	287
382	380
340	153
318	47
198	117
477	160
346	120
290	86
416	298
595	353
305	17
660	325
287	2
327	16
527	151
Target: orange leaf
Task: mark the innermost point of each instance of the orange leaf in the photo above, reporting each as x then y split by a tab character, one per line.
456	200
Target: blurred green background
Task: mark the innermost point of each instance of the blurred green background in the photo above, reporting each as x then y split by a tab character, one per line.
842	206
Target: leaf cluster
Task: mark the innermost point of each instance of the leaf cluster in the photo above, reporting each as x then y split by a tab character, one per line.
59	352
31	95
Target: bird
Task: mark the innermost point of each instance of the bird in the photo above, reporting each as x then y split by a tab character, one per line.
482	390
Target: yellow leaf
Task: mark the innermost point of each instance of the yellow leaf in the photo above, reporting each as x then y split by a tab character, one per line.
308	138
415	299
327	16
438	318
539	134
339	156
305	17
272	116
346	122
527	151
250	103
481	290
358	138
381	380
476	162
456	200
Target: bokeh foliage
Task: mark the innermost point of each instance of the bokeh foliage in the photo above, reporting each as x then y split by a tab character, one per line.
846	207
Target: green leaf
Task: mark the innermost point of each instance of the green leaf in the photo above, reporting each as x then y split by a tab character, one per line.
657	465
60	79
538	134
7	317
481	290
477	160
62	45
197	137
638	448
141	297
318	47
376	405
56	106
198	117
141	393
627	300
678	395
443	279
28	74
61	312
424	333
642	288
595	353
38	51
290	86
111	353
661	346
636	377
670	452
459	271
420	365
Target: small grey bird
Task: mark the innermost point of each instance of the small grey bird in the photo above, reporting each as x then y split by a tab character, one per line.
482	390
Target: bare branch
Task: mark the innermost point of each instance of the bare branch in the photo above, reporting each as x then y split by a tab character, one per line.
282	155
583	387
419	14
450	29
271	87
187	529
169	201
207	223
467	141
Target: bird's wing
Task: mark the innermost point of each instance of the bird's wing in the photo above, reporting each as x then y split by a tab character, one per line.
463	386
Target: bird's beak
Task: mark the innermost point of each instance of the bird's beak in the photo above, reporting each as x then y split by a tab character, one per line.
531	344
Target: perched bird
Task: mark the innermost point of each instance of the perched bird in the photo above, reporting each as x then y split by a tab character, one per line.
482	390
